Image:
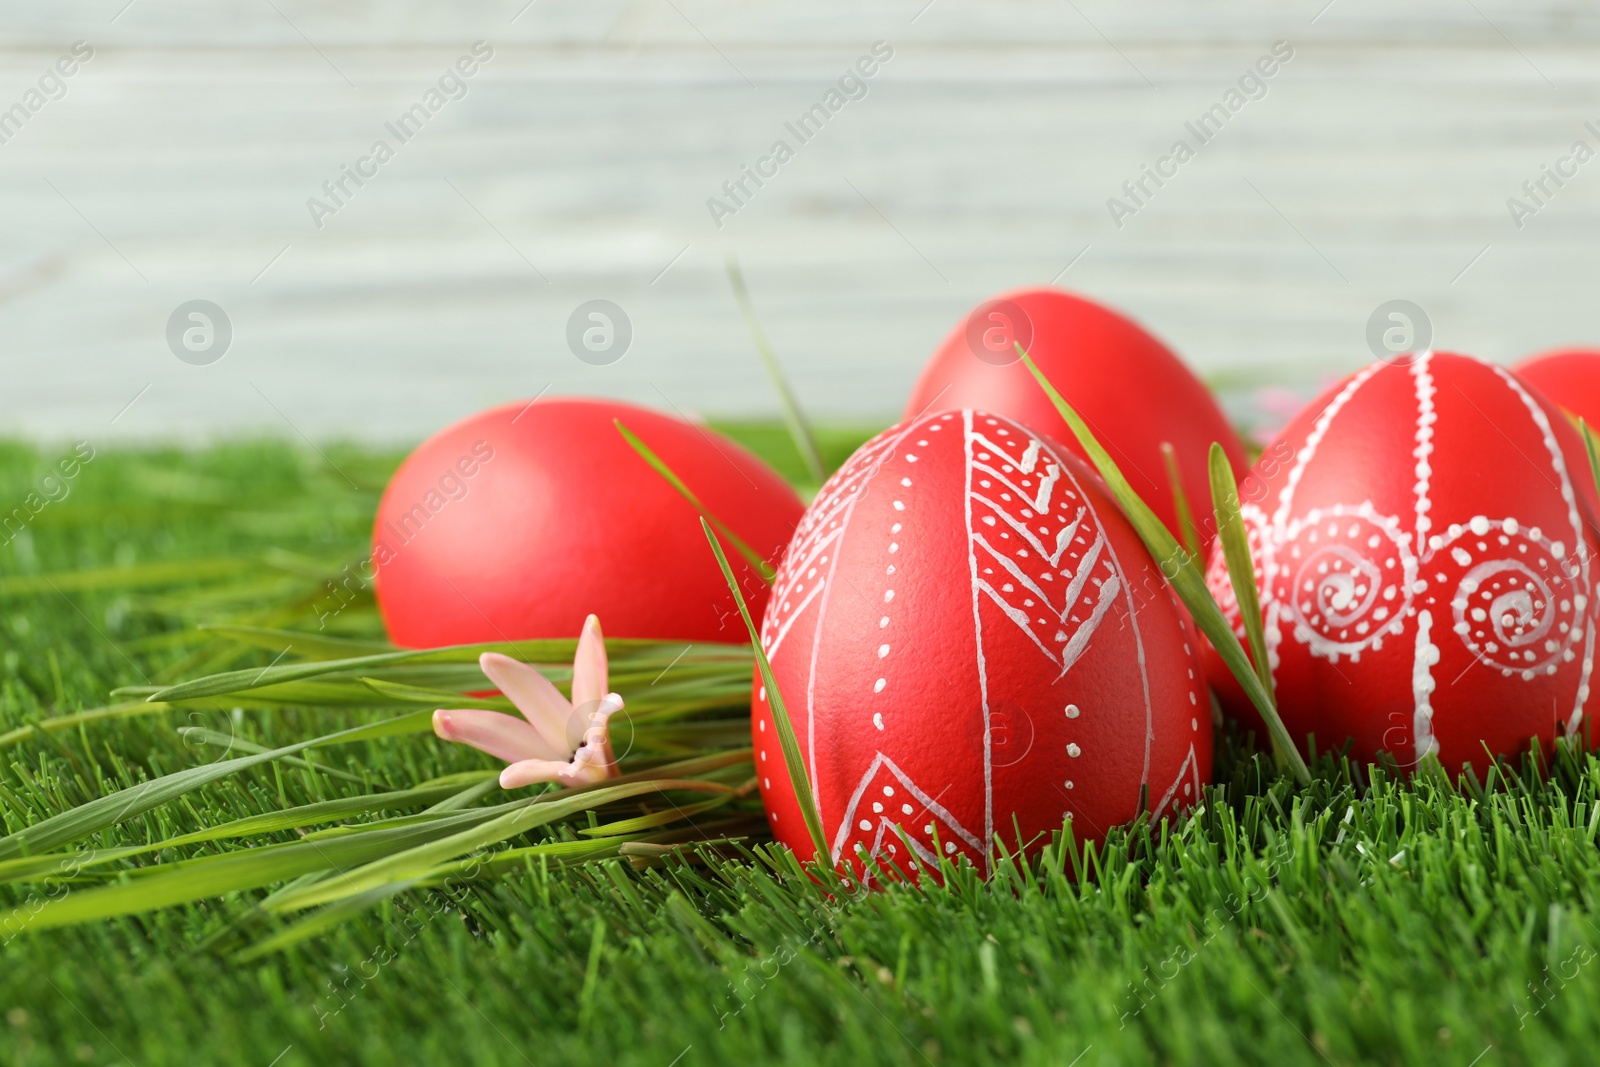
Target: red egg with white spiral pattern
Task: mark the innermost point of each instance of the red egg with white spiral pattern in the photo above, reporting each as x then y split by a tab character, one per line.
1424	544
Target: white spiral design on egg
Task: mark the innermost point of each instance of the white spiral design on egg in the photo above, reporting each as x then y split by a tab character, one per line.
1342	584
1521	610
1346	576
1517	607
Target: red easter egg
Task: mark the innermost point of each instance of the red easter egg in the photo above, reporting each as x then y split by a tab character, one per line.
1423	541
1568	376
1130	388
971	641
520	521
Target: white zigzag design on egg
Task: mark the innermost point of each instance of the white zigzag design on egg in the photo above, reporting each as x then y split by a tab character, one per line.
930	808
822	527
1190	767
1018	593
1095	564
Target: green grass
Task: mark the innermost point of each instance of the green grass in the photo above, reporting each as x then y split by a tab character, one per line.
1359	920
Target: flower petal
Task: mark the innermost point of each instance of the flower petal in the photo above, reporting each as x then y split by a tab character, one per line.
532	772
589	671
502	736
597	739
585	769
593	762
539	701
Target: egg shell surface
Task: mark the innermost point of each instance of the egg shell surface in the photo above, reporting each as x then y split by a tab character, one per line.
1130	388
521	521
1423	541
1569	378
971	641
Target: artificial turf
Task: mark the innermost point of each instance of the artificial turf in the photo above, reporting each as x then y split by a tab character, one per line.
1361	920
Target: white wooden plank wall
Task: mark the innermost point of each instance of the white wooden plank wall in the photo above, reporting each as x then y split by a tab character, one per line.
577	166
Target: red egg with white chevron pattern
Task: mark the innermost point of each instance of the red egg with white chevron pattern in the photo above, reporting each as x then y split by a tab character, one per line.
971	641
1423	539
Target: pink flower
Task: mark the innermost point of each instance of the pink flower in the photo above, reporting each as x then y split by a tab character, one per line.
557	740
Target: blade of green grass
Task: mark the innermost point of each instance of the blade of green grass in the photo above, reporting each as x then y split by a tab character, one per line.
131	577
329	916
438	698
81	718
331	810
320	921
1594	453
625	827
621	651
689	768
299	643
467	817
329	693
1180	500
1241	569
293	818
763	568
527	816
780	712
516	859
102	812
252	678
487	782
212	876
230	743
1184	574
63	866
805	441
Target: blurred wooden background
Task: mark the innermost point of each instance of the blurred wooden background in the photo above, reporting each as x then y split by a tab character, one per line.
578	165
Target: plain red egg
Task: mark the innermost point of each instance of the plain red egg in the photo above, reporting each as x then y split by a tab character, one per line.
521	521
972	642
1568	376
1424	542
1130	388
